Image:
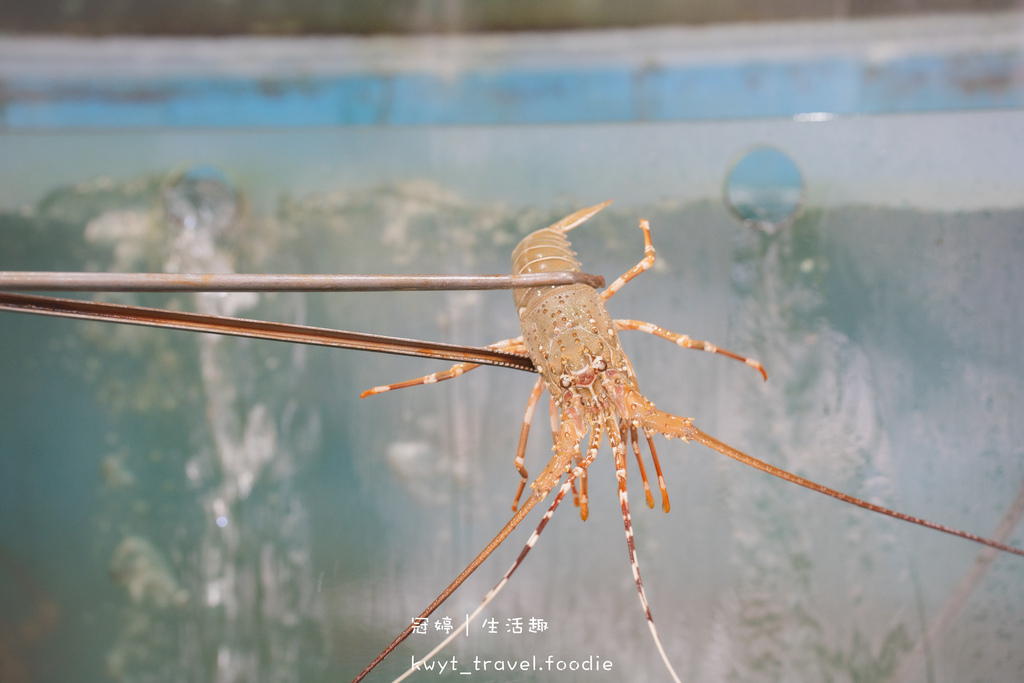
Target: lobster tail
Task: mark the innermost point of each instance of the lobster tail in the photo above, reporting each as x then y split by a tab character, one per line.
547	251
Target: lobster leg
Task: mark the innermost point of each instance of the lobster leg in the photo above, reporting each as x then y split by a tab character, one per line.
520	461
686	342
511	345
646	263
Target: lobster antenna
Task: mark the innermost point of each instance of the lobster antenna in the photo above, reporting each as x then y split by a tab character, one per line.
446	593
619	447
530	542
685	430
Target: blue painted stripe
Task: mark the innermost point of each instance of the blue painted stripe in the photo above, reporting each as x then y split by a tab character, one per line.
524	96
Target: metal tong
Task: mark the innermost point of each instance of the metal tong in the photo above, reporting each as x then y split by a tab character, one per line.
243	327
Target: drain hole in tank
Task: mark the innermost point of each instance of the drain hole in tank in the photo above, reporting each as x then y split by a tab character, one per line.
764	189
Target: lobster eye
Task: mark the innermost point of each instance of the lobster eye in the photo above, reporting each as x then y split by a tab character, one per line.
599	364
566	381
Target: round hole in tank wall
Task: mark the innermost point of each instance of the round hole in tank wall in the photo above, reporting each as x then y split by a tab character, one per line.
201	198
764	188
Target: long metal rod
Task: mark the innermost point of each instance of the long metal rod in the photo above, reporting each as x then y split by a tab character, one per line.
259	329
237	282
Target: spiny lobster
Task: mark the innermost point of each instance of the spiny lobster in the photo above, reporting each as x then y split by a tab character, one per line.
574	344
